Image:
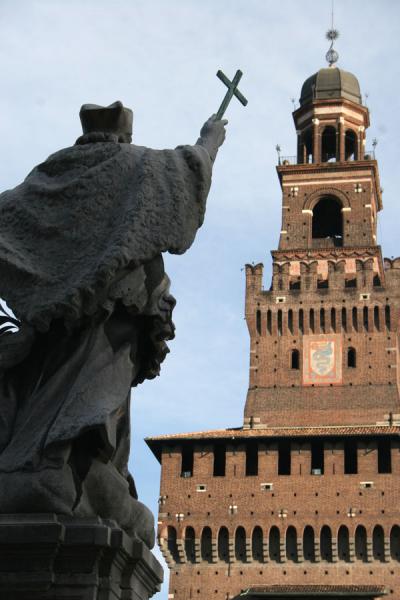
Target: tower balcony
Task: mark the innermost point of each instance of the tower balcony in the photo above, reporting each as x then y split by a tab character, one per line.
284	161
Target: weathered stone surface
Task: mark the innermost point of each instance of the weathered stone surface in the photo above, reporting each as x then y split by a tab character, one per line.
53	557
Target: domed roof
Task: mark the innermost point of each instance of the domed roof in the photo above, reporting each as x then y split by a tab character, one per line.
328	83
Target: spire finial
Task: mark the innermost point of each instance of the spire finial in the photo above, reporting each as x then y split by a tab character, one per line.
332	34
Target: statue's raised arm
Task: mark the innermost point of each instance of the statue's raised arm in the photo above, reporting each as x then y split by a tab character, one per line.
81	243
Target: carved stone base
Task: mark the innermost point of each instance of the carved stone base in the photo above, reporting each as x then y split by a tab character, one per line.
52	557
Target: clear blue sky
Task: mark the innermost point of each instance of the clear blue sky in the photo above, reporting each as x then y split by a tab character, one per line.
160	58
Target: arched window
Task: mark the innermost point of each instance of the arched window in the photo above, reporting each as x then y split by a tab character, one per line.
206	547
328	145
274	544
351	358
240	544
223	545
327	222
355	318
171	543
280	322
269	321
301	320
361	543
257	544
189	545
307	147
378	543
322	319
395	542
312	320
343	544
365	318
309	544
326	543
290	320
350	145
344	319
258	322
291	544
376	318
333	319
387	317
295	359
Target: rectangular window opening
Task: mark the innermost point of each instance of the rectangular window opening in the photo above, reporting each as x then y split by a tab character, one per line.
350	457
252	459
284	457
187	461
384	456
219	460
317	457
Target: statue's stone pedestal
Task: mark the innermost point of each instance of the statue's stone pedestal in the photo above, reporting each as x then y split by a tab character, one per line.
53	557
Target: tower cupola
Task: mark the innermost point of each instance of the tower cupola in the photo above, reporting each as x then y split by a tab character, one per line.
329	83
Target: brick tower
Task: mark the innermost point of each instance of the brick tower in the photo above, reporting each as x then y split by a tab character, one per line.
303	499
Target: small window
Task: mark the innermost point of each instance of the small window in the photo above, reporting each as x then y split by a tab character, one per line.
350	457
258	322
384	456
333	319
351	358
219	460
367	485
344	319
290	320
365	318
269	322
284	458
279	322
251	459
201	487
350	283
301	320
267	487
187	461
387	317
317	457
295	359
376	318
355	318
312	321
322	319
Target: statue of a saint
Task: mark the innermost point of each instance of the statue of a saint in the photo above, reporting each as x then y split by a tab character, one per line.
81	243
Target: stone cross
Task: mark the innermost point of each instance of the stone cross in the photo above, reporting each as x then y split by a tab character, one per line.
232	91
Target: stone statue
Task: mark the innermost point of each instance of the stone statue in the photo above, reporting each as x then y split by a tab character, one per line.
81	243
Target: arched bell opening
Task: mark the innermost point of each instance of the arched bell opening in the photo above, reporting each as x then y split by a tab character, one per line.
350	145
327	223
306	147
328	144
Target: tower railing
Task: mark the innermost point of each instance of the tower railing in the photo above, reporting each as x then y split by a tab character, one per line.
293	160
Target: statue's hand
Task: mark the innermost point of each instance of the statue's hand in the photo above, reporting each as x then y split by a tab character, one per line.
212	135
215	130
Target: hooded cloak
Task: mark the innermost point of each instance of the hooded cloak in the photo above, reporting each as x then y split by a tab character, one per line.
89	212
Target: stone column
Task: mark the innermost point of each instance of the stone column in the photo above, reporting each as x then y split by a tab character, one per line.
316	141
300	149
341	149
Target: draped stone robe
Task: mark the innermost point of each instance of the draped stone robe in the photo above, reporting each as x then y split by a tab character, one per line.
80	266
